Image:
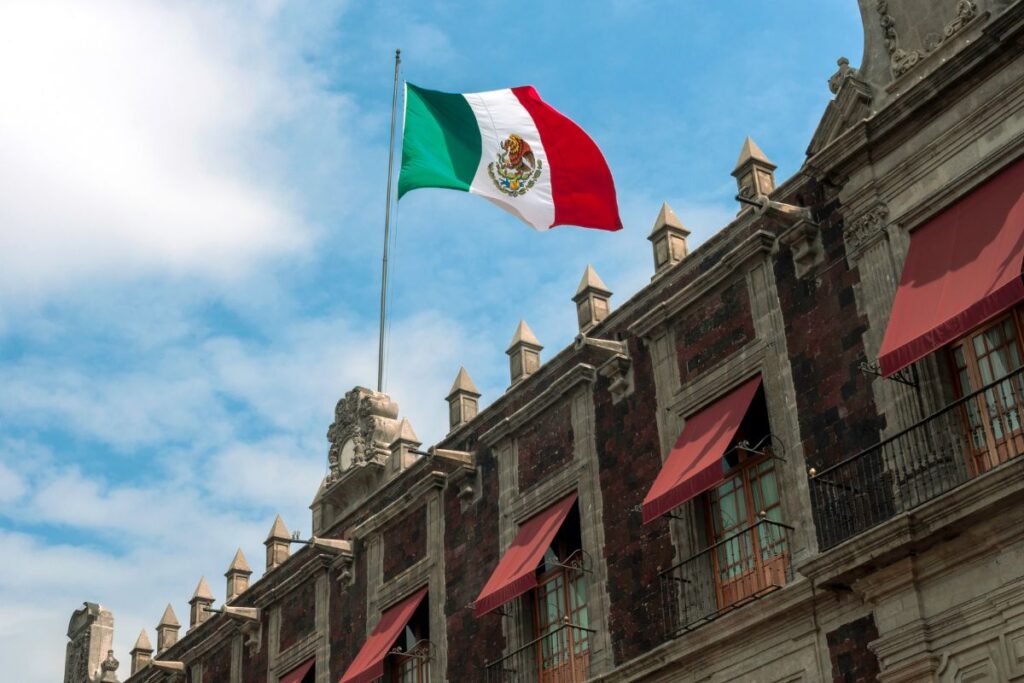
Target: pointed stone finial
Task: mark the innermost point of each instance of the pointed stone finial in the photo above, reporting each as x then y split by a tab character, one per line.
463	400
201	599
141	653
406	433
592	299
402	448
523	353
754	173
668	239
167	630
238	574
750	151
278	543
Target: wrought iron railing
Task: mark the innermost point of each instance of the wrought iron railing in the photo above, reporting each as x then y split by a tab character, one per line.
953	445
725	576
560	656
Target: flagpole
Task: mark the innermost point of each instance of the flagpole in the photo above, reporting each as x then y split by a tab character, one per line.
387	227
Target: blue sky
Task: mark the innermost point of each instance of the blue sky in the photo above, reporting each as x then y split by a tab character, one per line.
191	210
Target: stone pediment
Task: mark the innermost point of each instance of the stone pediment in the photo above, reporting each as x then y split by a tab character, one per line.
852	103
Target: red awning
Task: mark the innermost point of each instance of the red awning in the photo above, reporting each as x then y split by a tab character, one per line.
369	663
695	463
963	267
297	674
516	573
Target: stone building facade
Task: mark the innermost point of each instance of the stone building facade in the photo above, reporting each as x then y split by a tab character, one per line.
790	457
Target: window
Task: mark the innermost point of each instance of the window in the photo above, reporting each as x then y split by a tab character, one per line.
992	418
559	602
409	661
744	516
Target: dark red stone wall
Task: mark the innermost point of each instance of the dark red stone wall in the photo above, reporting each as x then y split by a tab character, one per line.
405	542
713	329
852	660
217	665
298	614
835	405
545	445
471	553
629	455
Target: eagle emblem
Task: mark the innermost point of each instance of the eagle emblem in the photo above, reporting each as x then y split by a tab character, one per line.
516	169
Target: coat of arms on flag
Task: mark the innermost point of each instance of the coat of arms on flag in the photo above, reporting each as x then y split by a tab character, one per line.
512	148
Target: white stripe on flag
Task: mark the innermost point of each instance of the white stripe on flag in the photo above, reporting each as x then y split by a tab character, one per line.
500	114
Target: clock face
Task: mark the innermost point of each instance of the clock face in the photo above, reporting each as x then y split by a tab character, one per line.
348	452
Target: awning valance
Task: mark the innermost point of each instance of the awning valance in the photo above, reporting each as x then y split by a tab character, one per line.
298	673
963	268
695	463
369	663
516	572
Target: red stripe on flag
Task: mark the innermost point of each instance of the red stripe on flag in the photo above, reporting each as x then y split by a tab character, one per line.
581	184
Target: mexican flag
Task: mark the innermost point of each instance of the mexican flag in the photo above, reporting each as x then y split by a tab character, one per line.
512	148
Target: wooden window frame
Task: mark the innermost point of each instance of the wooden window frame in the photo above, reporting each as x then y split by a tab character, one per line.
754	560
996	449
573	645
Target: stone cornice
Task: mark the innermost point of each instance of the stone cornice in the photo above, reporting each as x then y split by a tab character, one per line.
760	243
770	612
581	372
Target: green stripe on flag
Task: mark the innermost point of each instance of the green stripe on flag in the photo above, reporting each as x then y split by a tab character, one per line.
441	142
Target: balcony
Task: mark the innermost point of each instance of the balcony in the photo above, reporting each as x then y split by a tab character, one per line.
725	576
560	656
950	447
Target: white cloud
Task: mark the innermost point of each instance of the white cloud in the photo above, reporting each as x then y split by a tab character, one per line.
131	140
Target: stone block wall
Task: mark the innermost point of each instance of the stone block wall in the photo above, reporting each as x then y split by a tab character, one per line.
852	660
405	542
217	664
824	334
713	329
629	456
298	614
471	553
544	446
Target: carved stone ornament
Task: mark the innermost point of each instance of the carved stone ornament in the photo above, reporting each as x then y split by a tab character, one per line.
867	227
965	11
365	424
109	668
901	59
836	81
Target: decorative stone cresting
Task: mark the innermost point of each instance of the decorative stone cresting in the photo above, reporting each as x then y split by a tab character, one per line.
365	425
902	60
